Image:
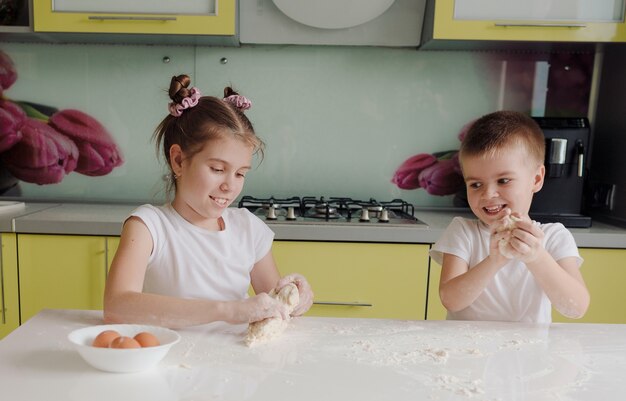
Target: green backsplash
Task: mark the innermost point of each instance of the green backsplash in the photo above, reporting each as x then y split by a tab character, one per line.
337	121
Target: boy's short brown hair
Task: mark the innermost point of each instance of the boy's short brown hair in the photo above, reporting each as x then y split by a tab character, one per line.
492	132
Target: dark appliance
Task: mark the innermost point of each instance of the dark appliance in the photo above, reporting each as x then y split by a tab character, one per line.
331	210
567	150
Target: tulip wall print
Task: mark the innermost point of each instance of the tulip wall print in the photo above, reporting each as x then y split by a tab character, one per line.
41	144
438	173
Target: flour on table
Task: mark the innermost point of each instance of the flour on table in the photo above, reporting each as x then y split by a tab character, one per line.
273	327
510	222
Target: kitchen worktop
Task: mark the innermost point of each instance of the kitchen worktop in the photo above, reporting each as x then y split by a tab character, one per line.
330	359
107	219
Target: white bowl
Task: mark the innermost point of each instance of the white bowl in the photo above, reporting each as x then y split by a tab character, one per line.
122	360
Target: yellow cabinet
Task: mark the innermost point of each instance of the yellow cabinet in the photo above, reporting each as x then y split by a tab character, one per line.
604	271
512	20
366	280
58	271
9	301
197	17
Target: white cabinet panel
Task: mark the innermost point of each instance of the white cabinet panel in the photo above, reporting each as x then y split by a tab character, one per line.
188	7
551	10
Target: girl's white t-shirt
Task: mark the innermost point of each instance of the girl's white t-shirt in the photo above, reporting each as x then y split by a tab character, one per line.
513	294
188	261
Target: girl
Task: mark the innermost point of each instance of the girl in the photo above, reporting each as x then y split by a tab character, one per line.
191	261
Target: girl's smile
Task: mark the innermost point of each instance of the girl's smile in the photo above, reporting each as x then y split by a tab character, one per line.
210	180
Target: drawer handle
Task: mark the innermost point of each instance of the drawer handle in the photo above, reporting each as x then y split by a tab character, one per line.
119	18
4	309
344	303
540	25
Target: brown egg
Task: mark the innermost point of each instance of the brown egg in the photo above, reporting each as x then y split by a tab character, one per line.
124	342
147	339
104	339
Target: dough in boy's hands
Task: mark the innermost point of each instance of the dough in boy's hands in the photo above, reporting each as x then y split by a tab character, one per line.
273	327
508	224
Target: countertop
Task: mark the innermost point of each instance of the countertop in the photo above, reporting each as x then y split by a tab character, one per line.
107	219
330	359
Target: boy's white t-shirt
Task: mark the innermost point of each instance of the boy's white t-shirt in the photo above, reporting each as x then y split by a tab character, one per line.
188	261
513	294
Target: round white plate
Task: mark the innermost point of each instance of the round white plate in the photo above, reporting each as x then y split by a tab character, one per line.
333	14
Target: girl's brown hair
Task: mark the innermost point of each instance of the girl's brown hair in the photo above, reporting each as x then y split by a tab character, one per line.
212	118
493	132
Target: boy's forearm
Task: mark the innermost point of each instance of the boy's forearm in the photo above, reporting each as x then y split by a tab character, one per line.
568	295
460	292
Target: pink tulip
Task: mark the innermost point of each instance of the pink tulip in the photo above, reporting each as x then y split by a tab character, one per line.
406	176
8	74
441	178
457	164
464	130
98	152
12	117
43	156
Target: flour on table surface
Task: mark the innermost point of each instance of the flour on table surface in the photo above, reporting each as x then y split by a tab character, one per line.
273	327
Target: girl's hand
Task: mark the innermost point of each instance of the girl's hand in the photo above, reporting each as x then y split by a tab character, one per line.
257	308
304	290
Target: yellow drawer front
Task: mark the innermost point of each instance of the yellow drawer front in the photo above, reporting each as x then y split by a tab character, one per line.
9	301
446	27
47	20
604	271
364	280
60	272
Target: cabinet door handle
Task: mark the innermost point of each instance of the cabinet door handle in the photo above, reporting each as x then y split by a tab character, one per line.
4	316
343	303
124	18
106	258
541	25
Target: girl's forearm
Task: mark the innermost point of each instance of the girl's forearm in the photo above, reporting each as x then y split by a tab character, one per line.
153	309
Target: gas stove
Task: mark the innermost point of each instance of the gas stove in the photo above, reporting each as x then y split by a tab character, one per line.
332	210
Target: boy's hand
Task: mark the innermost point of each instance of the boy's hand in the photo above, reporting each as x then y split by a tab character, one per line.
526	242
499	232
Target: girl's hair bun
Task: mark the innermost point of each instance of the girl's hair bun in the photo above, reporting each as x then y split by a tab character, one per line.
241	103
179	88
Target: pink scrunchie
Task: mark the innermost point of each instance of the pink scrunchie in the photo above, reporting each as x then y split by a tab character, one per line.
240	102
176	109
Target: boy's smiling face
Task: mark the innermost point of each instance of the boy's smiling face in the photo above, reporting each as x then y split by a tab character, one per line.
507	178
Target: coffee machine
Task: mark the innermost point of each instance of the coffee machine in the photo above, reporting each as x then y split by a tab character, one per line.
567	149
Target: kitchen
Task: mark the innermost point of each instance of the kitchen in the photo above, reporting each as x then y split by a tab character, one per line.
337	120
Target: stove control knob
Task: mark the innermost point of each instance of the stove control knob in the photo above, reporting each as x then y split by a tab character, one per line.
384	216
365	215
271	213
291	214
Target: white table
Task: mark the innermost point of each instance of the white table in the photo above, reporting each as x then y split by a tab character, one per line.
330	359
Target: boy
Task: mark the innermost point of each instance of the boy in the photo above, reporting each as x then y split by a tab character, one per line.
502	162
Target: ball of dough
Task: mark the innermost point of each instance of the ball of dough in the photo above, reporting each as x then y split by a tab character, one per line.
504	246
272	327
